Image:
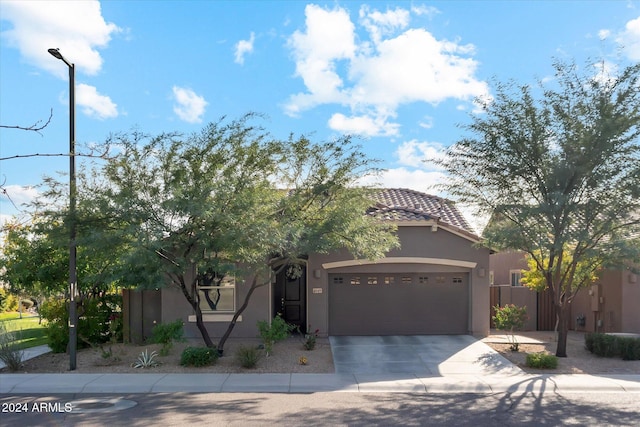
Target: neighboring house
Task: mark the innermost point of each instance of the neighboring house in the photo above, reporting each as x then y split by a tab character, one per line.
437	282
611	304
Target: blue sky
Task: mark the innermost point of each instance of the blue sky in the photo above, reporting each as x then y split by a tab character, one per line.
401	75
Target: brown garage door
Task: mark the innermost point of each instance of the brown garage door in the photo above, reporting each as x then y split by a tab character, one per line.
398	304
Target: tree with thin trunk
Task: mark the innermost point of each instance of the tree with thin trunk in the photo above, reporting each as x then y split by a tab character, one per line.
558	169
230	200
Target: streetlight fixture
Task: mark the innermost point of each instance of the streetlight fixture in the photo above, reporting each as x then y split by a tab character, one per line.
73	285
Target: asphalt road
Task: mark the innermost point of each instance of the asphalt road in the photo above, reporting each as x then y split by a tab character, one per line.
323	409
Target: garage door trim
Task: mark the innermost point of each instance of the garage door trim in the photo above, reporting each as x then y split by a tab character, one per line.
399	260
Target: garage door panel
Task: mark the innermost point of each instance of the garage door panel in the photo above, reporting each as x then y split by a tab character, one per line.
411	304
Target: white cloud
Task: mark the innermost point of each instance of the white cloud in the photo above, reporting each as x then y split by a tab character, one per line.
419	180
189	105
380	24
426	123
95	104
363	125
18	196
398	65
244	47
605	72
604	34
424	10
419	154
629	39
77	28
329	37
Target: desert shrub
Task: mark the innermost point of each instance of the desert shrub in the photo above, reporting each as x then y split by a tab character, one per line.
10	354
248	357
542	361
116	327
55	312
629	348
309	339
94	320
508	318
166	334
605	345
277	331
198	356
589	342
146	360
10	302
3	299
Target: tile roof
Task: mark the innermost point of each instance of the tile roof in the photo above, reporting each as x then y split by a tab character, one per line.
401	204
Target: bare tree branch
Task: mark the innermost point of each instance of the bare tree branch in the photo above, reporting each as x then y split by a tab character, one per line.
22	156
36	127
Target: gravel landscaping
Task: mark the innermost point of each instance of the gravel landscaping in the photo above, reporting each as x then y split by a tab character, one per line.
284	359
579	360
118	358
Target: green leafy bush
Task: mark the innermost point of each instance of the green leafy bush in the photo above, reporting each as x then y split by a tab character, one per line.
3	299
94	321
309	342
198	356
10	302
605	345
57	316
248	357
589	342
277	331
508	318
166	334
542	361
629	348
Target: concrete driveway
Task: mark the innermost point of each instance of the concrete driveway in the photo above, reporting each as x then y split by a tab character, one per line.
422	355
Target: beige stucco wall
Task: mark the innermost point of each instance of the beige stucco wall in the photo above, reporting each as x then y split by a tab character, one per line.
610	305
522	297
416	242
175	306
630	321
502	263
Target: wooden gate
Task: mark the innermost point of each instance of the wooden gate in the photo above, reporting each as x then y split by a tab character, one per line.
494	299
546	311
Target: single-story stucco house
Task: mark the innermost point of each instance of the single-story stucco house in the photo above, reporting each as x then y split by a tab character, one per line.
436	282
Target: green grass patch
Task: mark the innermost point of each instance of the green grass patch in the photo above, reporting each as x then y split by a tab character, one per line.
27	331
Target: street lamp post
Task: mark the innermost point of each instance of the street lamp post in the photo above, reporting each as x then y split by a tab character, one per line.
73	315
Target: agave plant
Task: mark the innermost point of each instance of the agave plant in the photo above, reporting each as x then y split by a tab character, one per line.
146	360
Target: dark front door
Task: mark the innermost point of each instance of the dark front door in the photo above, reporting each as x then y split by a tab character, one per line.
289	296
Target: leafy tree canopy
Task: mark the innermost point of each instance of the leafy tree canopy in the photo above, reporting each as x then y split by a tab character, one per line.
230	197
558	168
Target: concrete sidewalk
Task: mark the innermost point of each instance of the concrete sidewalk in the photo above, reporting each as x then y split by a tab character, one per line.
464	381
308	383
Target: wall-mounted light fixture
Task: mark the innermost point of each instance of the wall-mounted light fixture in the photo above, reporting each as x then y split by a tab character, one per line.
317	273
481	272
